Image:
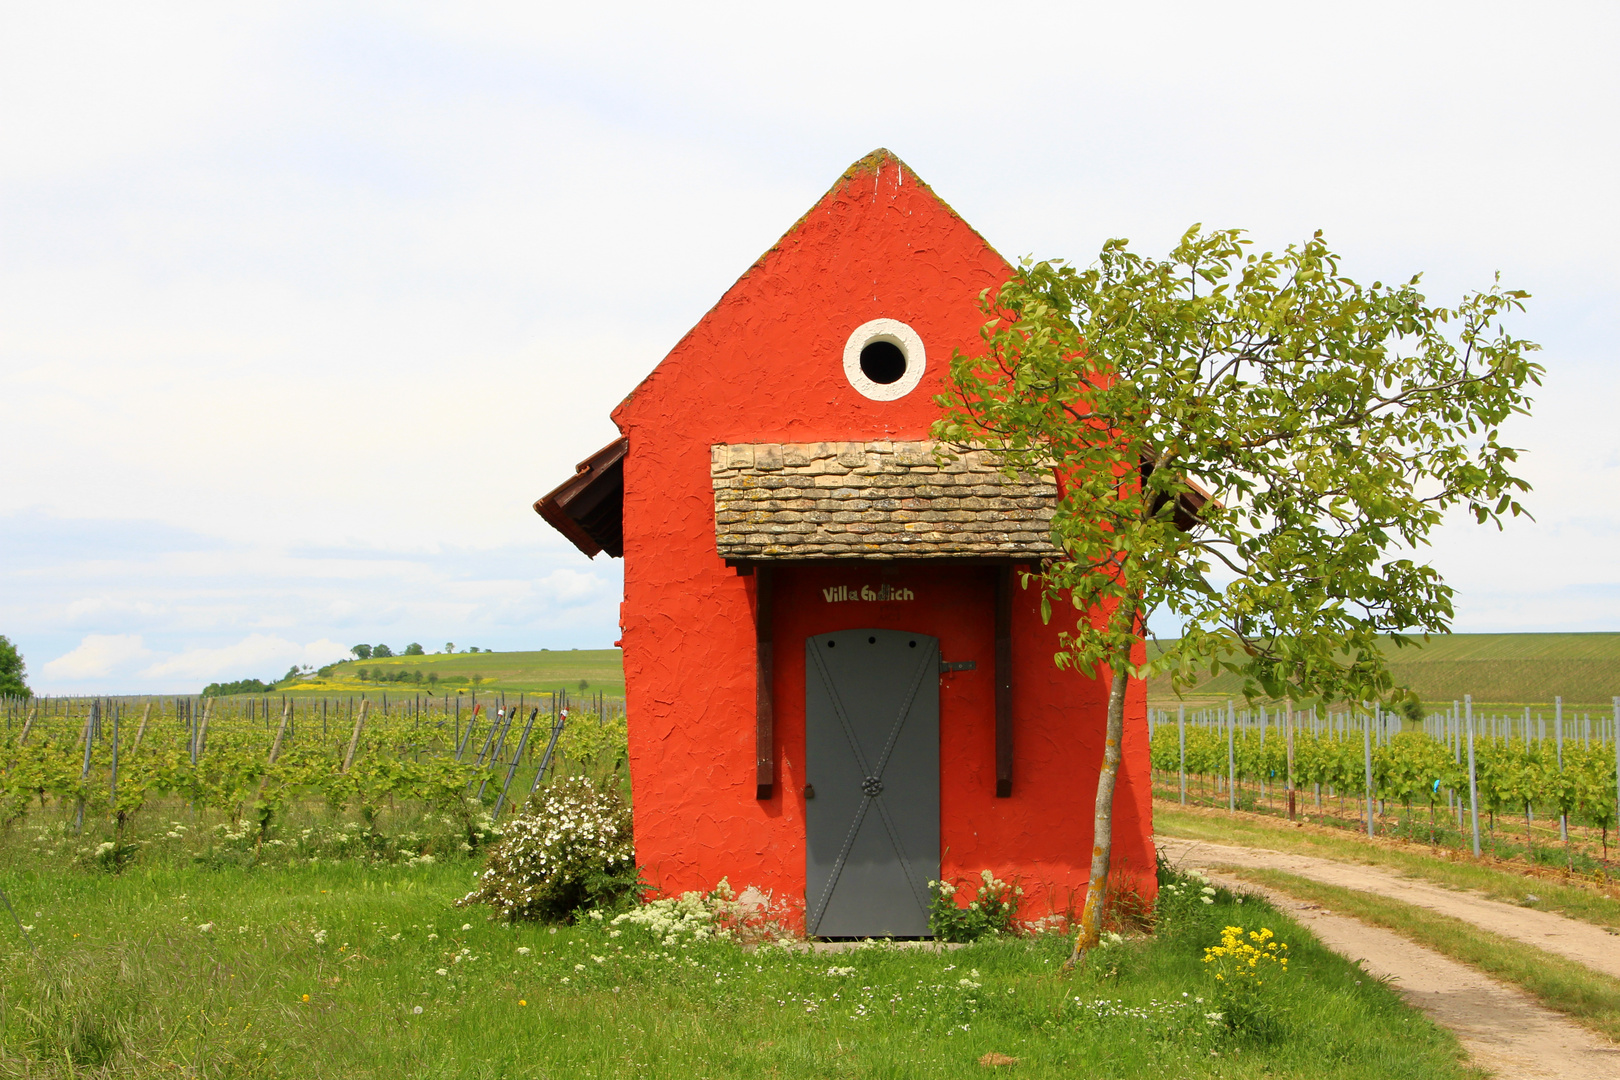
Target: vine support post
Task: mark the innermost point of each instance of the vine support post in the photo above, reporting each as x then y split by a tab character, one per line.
275	747
1473	781
1181	732
523	743
1558	738
1231	761
140	732
90	719
1288	737
1366	760
33	714
112	784
354	739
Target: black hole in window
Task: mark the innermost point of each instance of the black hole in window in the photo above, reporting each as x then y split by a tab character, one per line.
830	644
883	362
871	641
913	644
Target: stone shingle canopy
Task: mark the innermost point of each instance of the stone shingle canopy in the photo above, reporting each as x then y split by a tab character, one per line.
874	500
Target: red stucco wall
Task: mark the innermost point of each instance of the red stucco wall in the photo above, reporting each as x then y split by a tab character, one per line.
765	365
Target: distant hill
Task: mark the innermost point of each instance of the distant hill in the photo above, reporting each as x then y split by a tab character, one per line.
523	672
1497	669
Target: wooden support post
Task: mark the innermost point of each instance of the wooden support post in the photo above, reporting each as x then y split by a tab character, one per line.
202	727
354	739
275	747
1005	585
764	706
140	732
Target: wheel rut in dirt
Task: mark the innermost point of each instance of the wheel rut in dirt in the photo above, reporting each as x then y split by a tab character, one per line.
1582	942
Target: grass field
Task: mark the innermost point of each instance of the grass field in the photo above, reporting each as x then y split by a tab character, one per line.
1497	669
353	970
514	672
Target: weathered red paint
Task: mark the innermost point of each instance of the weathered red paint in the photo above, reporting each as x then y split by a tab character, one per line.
765	365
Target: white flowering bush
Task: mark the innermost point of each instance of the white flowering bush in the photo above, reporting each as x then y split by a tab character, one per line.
572	853
754	918
990	912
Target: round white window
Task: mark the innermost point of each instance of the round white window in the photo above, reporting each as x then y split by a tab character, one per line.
884	359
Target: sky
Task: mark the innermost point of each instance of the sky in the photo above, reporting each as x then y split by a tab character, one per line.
303	305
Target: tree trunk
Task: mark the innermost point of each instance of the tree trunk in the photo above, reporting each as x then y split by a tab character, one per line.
1102	829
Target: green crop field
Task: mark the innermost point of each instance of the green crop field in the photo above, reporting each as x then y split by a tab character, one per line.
1497	669
514	672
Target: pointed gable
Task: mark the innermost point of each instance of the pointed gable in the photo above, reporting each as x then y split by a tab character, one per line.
767	361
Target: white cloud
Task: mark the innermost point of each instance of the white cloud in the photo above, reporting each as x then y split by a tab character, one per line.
567	588
98	656
256	656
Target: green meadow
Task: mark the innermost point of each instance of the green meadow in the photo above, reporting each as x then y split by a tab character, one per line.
355	969
602	670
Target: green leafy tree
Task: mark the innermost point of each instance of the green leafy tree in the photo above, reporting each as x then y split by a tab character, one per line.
1246	442
12	670
414	649
381	652
449	647
361	652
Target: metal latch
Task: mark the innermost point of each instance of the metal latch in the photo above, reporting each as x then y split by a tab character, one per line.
957	665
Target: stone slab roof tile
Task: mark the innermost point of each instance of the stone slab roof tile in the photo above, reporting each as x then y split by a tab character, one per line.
876	500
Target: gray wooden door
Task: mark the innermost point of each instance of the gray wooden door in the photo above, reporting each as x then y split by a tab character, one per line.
872	768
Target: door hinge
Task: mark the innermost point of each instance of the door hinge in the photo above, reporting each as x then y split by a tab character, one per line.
957	665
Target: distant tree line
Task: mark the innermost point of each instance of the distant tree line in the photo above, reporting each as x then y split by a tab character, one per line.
240	686
383	652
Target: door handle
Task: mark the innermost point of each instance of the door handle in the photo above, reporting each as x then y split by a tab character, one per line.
957	665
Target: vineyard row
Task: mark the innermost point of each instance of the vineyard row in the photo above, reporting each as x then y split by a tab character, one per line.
1561	768
248	759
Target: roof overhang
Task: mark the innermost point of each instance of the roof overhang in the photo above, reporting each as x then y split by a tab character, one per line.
588	507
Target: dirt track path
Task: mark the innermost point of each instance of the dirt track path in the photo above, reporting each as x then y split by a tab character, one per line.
1502	1028
1581	942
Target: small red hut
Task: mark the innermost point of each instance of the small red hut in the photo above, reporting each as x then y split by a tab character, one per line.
837	690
